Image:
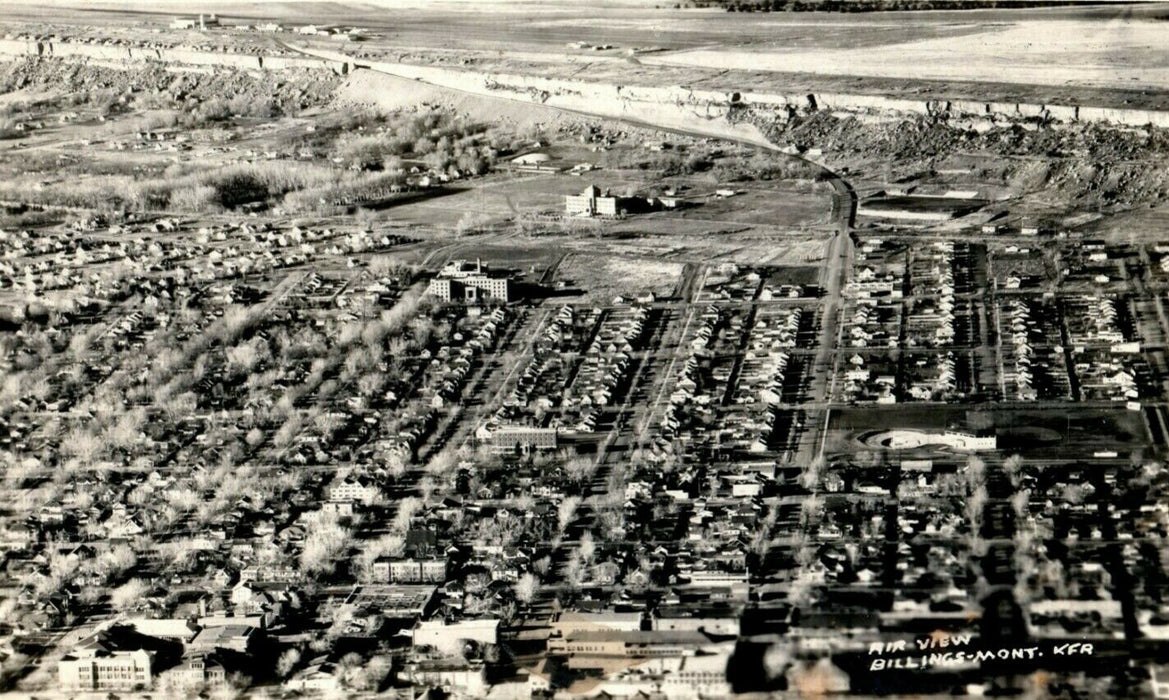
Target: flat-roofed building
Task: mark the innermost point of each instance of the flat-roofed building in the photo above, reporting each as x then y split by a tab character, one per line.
410	570
591	203
446	636
180	630
95	665
719	621
568	623
457	677
509	438
460	280
202	22
621	643
232	637
917	207
394	601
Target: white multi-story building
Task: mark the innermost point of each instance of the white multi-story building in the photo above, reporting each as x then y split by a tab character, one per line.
95	666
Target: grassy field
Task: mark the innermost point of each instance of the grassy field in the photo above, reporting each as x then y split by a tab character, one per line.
544	23
783	205
605	277
1040	52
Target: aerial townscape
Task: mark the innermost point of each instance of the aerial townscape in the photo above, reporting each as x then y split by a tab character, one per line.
573	349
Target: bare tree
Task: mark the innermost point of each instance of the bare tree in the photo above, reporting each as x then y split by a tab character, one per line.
385	546
566	512
578	470
810	473
325	543
1019	503
127	430
82	444
811	510
114	563
367	676
407	509
574	572
587	548
975	473
975	505
1013	467
526	588
1073	493
129	594
287	662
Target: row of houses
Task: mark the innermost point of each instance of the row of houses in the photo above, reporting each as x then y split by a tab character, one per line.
931	321
606	361
40	263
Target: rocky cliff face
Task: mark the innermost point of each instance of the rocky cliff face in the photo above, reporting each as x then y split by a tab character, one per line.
704	111
125	55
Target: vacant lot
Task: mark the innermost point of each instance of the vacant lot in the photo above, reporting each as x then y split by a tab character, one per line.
605	277
781	205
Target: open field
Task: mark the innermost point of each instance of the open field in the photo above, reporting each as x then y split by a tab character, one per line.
606	277
765	208
1113	48
1088	53
543	24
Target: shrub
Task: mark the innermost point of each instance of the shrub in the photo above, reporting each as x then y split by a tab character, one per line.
202	198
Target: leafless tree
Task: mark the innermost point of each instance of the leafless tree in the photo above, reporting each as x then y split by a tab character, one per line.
975	506
83	445
587	547
526	588
565	513
975	473
113	564
287	662
129	594
324	544
810	473
1013	467
407	509
1019	503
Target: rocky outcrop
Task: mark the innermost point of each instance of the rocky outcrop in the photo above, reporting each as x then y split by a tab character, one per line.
114	54
661	106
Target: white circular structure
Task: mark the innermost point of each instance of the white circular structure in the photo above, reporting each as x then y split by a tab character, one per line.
912	439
